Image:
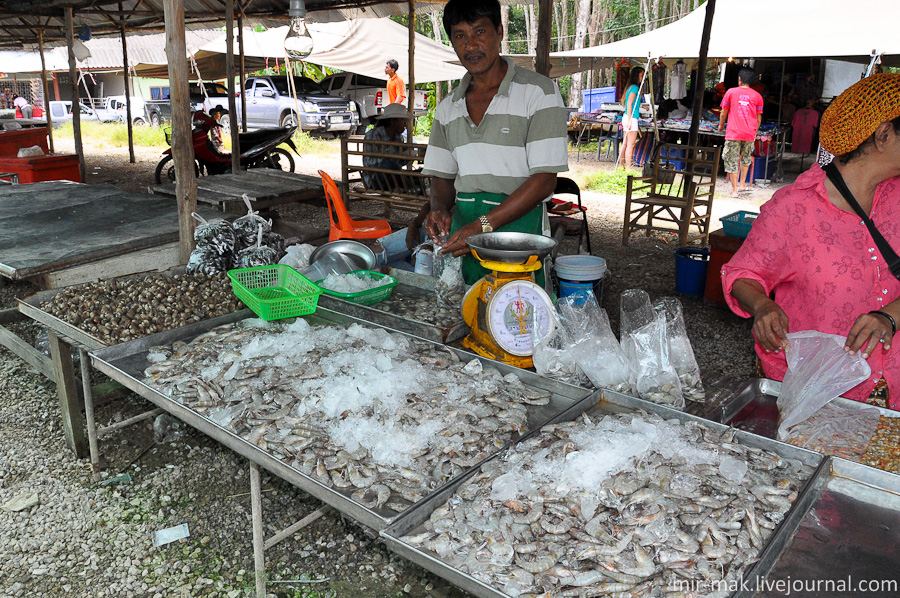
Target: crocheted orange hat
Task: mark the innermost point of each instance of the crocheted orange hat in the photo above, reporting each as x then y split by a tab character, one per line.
855	114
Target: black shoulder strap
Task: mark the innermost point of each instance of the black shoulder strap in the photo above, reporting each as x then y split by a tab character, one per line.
887	252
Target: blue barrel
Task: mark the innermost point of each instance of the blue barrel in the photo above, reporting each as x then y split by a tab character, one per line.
580	276
690	271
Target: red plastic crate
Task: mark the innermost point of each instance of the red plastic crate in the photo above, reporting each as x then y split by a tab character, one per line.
49	167
11	141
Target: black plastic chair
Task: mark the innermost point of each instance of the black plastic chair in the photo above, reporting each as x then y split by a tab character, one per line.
565	185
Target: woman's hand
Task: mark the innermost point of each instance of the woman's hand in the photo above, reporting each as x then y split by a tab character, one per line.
770	326
867	332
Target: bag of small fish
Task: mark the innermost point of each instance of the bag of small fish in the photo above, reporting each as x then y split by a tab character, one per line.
629	505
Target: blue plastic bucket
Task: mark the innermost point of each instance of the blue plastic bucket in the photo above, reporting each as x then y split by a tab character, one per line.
580	276
690	271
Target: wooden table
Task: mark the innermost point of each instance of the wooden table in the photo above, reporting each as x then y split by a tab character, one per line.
265	187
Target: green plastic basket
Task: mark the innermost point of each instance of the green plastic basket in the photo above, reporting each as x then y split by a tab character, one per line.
275	292
366	297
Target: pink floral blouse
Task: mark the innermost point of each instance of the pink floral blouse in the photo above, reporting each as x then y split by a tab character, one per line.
824	268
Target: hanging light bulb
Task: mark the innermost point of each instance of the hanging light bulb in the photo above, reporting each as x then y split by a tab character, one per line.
298	43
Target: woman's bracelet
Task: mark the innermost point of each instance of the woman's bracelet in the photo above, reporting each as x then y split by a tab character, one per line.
890	319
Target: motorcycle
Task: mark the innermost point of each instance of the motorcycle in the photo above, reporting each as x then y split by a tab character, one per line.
259	149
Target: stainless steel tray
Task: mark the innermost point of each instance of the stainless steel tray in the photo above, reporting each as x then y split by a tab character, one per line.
31	307
408	283
848	535
600	403
754	407
126	362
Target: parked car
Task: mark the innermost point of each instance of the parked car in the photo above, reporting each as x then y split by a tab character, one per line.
113	109
61	112
270	104
369	93
203	98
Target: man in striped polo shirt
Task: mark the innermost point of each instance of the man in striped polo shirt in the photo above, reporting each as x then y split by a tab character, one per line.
497	141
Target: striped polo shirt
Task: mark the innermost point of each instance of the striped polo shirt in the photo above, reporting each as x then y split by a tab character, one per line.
522	133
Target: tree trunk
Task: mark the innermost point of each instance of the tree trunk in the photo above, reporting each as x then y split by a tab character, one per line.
531	28
563	42
504	20
436	26
654	15
582	13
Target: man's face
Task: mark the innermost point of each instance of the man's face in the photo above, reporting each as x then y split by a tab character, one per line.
477	44
388	70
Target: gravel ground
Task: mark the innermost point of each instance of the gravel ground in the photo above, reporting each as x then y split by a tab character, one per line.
83	540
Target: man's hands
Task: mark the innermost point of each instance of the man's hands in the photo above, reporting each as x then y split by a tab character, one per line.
456	244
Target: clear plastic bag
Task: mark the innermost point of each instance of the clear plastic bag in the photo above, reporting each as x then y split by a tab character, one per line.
450	287
598	354
839	431
216	234
645	344
681	353
257	255
556	354
246	227
819	370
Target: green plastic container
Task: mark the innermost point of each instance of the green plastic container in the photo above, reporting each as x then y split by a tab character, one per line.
370	296
275	292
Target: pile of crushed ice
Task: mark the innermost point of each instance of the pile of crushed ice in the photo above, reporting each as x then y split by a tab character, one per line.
353	282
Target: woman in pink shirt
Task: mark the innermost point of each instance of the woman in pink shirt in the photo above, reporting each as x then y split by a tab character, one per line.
811	251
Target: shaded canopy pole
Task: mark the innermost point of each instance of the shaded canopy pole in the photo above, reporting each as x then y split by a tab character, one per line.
411	94
46	90
182	142
76	102
127	89
700	84
544	31
241	75
229	68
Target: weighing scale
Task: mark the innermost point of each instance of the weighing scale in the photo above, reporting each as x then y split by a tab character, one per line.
503	307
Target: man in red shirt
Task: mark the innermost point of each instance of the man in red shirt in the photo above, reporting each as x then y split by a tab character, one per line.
742	109
395	86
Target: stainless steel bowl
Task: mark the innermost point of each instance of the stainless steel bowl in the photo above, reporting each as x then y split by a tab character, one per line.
511	248
353	250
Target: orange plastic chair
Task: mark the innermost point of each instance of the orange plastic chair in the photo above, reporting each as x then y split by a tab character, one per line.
345	227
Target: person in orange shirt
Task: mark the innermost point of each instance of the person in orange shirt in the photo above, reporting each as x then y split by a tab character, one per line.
395	86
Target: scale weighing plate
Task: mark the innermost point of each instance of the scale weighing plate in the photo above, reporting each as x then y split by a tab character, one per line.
510	247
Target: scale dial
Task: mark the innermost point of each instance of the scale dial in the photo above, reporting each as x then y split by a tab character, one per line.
513	312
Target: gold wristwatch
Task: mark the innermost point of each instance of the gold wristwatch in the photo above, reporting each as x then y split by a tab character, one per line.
486	225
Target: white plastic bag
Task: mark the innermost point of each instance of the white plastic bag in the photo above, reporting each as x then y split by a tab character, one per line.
450	287
599	355
645	343
30	152
819	370
297	256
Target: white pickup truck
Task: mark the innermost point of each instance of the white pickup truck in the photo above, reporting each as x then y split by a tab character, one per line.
369	93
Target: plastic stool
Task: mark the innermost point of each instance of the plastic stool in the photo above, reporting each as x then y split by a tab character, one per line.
613	134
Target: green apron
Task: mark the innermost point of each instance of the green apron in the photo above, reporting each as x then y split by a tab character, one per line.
470	207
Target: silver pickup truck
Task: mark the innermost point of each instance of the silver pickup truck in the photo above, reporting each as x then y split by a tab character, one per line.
369	93
270	104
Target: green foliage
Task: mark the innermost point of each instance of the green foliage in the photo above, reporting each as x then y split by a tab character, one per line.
115	134
306	144
608	181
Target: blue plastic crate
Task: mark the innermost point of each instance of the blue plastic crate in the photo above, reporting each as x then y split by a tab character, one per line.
593	99
674	156
738	224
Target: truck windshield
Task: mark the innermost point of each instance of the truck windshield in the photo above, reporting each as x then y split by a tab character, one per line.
304	85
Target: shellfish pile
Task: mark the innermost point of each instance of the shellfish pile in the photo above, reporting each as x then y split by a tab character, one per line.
421	307
378	415
120	309
629	505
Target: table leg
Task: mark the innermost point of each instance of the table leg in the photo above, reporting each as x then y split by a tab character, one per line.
259	557
67	391
89	414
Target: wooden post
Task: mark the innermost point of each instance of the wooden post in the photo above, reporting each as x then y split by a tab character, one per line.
127	90
76	110
182	140
544	32
241	75
411	90
700	84
46	91
229	68
67	391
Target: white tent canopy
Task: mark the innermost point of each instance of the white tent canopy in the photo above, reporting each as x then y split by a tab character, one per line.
362	46
763	29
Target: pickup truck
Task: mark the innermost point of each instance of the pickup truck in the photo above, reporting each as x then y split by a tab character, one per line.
270	104
112	109
159	111
369	93
61	112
